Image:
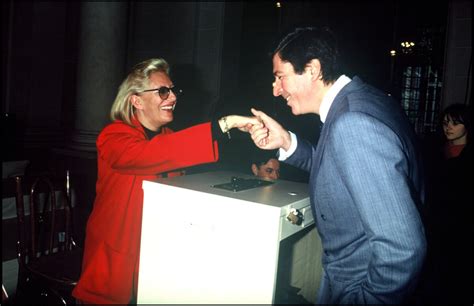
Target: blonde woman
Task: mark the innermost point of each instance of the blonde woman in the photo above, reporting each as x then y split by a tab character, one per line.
138	146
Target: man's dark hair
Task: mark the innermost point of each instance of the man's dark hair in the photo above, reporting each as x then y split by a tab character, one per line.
305	44
261	157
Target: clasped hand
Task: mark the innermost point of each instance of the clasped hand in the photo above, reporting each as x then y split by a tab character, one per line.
265	132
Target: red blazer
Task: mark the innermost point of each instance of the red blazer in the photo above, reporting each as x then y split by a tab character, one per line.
125	158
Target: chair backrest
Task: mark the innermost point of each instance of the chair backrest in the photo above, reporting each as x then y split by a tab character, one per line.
47	229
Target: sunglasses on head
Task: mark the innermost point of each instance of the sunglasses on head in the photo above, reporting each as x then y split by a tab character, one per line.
164	92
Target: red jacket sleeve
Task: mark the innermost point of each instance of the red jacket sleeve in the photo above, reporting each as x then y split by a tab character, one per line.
126	149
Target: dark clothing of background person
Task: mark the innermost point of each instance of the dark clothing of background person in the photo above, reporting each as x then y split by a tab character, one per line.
448	271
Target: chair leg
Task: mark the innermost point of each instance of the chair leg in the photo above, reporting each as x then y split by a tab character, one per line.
4	295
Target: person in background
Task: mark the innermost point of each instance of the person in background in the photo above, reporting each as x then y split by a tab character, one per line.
457	152
449	164
456	127
265	165
366	181
138	146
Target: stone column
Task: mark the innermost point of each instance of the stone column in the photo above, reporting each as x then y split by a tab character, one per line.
208	47
457	83
101	63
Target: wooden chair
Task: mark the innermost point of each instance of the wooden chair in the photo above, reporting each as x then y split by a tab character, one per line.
4	296
49	260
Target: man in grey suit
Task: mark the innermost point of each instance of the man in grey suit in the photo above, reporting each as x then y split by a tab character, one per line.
365	178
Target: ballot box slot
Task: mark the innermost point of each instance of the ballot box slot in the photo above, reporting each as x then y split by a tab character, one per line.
237	184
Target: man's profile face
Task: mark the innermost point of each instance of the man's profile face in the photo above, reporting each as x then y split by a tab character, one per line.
292	87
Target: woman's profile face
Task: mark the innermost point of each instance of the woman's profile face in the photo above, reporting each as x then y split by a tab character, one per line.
453	129
152	110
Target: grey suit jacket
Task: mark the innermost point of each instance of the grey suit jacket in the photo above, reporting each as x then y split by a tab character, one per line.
365	187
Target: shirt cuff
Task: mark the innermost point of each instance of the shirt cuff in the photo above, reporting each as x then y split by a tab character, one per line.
282	154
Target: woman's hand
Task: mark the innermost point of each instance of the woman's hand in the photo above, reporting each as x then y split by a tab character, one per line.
243	123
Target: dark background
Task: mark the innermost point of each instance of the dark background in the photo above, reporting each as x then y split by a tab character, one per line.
42	58
40	68
41	64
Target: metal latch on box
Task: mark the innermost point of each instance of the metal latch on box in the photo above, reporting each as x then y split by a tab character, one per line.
295	216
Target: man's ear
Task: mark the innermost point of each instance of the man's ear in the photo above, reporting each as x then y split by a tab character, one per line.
136	101
254	169
315	69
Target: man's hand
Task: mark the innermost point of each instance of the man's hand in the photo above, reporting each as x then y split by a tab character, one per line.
271	135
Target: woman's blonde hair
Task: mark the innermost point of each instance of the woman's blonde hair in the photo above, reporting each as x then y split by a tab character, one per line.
136	81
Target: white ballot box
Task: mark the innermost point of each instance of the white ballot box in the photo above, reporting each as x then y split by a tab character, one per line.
221	237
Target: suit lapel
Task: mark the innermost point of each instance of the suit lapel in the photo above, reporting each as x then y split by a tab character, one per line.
337	107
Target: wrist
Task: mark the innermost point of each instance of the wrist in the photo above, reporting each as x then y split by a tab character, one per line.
225	126
286	141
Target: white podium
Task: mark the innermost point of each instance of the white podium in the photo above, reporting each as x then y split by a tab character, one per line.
209	239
